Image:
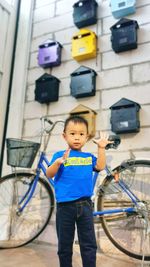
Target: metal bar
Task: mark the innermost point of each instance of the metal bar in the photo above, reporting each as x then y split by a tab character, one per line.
105	212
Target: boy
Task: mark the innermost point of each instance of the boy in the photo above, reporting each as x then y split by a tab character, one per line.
73	189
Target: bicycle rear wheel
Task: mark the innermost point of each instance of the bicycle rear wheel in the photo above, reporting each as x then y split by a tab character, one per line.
130	233
19	229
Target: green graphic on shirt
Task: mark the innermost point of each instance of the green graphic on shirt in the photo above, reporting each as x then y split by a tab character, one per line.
78	161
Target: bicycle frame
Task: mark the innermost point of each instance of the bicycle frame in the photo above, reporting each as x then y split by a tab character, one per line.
29	193
41	167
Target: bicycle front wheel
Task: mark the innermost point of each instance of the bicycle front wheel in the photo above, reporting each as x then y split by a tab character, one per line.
18	229
129	232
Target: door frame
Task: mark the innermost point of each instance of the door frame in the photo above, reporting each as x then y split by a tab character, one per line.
9	33
15	108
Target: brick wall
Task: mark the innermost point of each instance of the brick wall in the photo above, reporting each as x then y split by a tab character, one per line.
120	75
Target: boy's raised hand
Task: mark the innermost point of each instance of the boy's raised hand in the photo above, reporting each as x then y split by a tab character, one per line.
64	157
103	141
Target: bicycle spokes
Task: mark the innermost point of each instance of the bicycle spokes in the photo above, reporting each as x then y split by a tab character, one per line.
18	227
129	230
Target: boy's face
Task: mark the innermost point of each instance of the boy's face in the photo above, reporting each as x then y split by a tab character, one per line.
76	135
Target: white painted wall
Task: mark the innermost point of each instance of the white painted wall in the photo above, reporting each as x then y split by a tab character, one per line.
120	75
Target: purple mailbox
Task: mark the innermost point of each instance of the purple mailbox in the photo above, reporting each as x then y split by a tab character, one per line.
49	54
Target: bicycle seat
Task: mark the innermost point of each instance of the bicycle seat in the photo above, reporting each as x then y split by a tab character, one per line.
115	144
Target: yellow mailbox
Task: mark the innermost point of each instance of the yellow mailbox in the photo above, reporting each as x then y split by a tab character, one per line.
84	45
89	115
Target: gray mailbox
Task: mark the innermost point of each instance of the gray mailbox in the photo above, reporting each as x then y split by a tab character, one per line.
125	116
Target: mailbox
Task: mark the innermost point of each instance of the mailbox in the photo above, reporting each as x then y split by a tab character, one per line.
125	116
49	54
124	35
83	82
84	45
85	13
89	115
47	89
122	8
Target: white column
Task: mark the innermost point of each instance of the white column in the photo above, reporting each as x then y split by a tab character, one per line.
16	110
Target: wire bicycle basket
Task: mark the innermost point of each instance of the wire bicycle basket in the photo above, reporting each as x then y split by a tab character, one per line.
21	153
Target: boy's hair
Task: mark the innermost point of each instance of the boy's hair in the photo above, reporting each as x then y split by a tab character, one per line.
75	119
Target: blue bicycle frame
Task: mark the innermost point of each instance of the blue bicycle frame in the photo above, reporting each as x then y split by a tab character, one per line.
41	166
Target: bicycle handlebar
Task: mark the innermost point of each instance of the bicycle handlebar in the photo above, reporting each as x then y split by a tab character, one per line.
47	130
116	141
49	121
52	124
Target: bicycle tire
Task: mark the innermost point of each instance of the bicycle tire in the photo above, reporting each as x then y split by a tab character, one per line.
17	230
127	231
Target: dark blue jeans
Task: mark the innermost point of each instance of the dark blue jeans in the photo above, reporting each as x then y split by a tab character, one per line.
67	216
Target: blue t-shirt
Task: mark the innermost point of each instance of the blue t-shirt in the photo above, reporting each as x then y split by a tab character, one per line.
74	178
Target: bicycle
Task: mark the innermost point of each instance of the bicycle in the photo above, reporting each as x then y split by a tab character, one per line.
27	200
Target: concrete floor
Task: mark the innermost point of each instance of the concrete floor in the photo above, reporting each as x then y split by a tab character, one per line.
44	255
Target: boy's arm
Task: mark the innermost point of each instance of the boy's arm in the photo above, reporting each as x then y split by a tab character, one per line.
54	167
101	157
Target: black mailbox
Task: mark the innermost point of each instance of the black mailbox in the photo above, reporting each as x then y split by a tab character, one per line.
47	89
124	35
83	82
125	116
85	13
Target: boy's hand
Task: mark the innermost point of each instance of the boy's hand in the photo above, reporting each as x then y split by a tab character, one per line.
62	160
103	141
66	155
116	177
